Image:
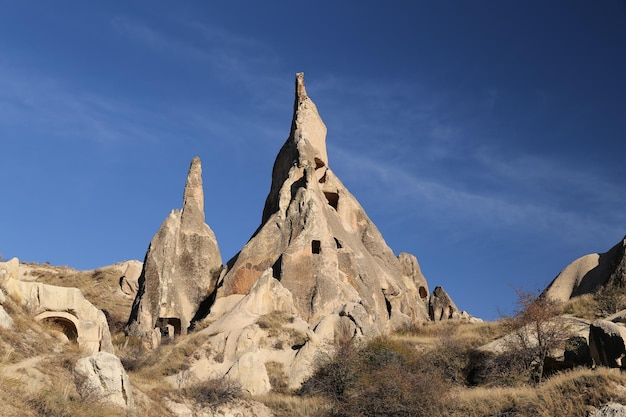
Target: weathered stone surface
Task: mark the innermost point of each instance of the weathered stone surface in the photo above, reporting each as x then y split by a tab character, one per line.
249	370
235	408
66	306
179	266
589	274
318	240
411	269
129	282
6	321
607	343
441	306
610	410
102	377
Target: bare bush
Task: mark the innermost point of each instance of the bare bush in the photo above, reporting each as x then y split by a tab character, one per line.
537	331
383	378
213	392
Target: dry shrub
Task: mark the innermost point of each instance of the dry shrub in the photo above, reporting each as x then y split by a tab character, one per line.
213	392
383	378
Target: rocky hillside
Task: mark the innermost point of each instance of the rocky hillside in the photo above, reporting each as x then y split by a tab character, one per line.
315	316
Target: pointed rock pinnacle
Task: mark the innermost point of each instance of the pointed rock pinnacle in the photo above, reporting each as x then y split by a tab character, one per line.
193	197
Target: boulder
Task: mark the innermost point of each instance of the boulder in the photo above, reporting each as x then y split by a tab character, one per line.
589	274
129	282
179	268
103	377
607	344
249	371
320	243
6	321
441	306
610	410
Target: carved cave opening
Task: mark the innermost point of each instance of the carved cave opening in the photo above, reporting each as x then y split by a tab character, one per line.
423	293
277	268
338	243
388	305
319	163
332	198
66	326
169	326
316	247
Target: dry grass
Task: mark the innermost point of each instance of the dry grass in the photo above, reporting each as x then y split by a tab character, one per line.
468	335
584	306
284	405
569	394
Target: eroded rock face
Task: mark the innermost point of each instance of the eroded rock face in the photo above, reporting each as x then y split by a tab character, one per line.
66	306
441	306
607	343
320	243
590	273
178	269
102	377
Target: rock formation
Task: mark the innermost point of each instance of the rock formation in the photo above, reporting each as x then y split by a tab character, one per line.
319	242
590	273
179	267
102	377
607	343
80	320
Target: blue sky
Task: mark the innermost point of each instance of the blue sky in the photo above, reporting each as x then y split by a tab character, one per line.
485	137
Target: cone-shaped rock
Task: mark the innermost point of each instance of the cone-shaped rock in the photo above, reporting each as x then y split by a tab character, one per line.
178	268
320	243
590	274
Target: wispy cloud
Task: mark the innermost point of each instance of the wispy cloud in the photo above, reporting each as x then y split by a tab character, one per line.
436	201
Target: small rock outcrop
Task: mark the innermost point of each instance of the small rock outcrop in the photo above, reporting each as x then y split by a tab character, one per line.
319	242
590	273
610	410
441	307
102	377
80	320
607	343
179	268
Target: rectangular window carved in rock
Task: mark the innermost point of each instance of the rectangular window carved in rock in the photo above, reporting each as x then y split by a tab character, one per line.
316	247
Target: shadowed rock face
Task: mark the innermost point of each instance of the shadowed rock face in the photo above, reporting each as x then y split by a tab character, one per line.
178	268
320	243
590	273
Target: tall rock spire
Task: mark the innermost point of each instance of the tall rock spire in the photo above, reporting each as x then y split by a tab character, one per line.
305	147
178	269
320	243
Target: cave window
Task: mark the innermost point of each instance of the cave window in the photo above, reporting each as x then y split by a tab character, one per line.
332	198
169	326
423	293
319	163
316	247
388	305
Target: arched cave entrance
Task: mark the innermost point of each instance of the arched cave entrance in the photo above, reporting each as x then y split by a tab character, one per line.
65	325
